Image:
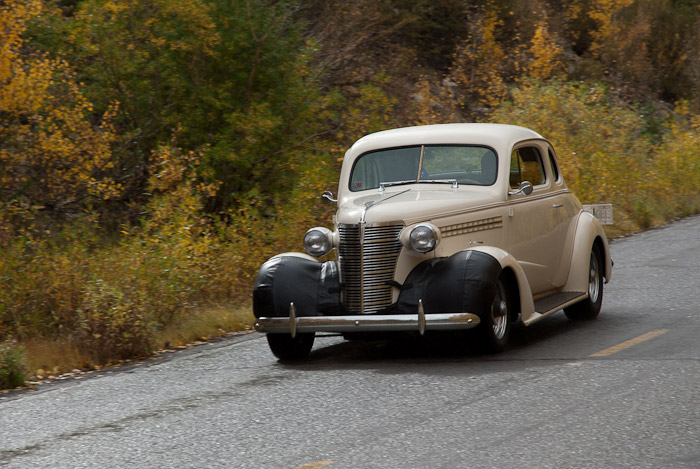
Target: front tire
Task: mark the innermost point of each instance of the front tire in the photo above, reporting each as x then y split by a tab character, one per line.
494	329
288	349
589	308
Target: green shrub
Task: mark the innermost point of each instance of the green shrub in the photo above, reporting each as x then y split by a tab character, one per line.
12	371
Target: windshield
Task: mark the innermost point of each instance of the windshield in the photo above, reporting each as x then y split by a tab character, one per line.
466	164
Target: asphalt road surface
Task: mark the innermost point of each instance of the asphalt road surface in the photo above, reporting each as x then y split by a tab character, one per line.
619	392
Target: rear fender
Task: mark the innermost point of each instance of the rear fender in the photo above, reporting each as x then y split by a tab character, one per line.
588	231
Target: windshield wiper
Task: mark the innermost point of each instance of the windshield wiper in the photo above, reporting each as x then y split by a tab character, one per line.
396	183
382	185
438	181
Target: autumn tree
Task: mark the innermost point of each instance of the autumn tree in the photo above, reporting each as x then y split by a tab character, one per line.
620	45
479	64
235	79
52	155
675	33
546	53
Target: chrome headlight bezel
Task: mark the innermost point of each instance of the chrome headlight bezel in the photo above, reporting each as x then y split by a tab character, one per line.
423	238
318	241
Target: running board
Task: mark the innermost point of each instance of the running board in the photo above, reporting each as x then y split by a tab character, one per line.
551	304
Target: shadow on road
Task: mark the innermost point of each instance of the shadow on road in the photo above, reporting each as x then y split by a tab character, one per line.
540	344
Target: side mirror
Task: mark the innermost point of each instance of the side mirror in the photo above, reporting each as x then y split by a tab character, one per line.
525	187
328	195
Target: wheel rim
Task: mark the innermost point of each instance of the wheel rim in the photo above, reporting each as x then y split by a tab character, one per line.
499	312
594	279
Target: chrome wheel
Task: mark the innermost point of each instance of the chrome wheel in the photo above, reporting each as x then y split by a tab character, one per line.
588	309
494	329
499	312
594	279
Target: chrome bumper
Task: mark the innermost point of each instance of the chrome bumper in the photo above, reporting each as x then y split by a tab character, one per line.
420	322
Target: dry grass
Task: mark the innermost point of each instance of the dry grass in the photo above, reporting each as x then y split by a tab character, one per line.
205	323
52	357
45	358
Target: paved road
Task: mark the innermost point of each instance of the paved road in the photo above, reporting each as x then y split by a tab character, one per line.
619	392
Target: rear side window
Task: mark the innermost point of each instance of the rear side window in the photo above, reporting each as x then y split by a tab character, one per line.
553	162
526	165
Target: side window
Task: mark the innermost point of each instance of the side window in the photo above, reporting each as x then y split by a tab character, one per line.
553	163
526	165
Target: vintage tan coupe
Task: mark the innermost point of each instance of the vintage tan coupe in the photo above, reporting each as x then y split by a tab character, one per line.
439	227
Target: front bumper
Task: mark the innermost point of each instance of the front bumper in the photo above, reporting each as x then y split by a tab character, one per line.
420	322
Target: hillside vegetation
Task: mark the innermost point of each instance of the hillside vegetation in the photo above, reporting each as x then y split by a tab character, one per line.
154	152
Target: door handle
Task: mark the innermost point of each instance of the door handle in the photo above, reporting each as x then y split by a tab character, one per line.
557	205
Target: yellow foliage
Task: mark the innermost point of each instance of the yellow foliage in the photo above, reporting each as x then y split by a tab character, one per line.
621	46
435	103
546	55
605	12
603	154
196	13
678	163
478	65
173	167
21	87
50	153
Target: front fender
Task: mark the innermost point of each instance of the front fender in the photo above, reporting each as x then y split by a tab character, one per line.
297	278
464	282
517	275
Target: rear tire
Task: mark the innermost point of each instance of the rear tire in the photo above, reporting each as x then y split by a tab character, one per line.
288	349
494	329
588	309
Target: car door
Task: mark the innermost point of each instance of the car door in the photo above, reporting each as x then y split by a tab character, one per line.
534	221
567	208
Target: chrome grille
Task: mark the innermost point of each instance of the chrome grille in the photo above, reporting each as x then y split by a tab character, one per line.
367	256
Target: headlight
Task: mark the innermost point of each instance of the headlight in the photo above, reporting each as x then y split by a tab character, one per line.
423	238
318	241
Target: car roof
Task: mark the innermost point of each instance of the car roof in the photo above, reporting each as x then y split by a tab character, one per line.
501	137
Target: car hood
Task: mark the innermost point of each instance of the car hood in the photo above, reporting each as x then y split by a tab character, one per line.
411	205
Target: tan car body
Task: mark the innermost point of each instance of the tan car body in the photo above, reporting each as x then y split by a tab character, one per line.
545	237
550	253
